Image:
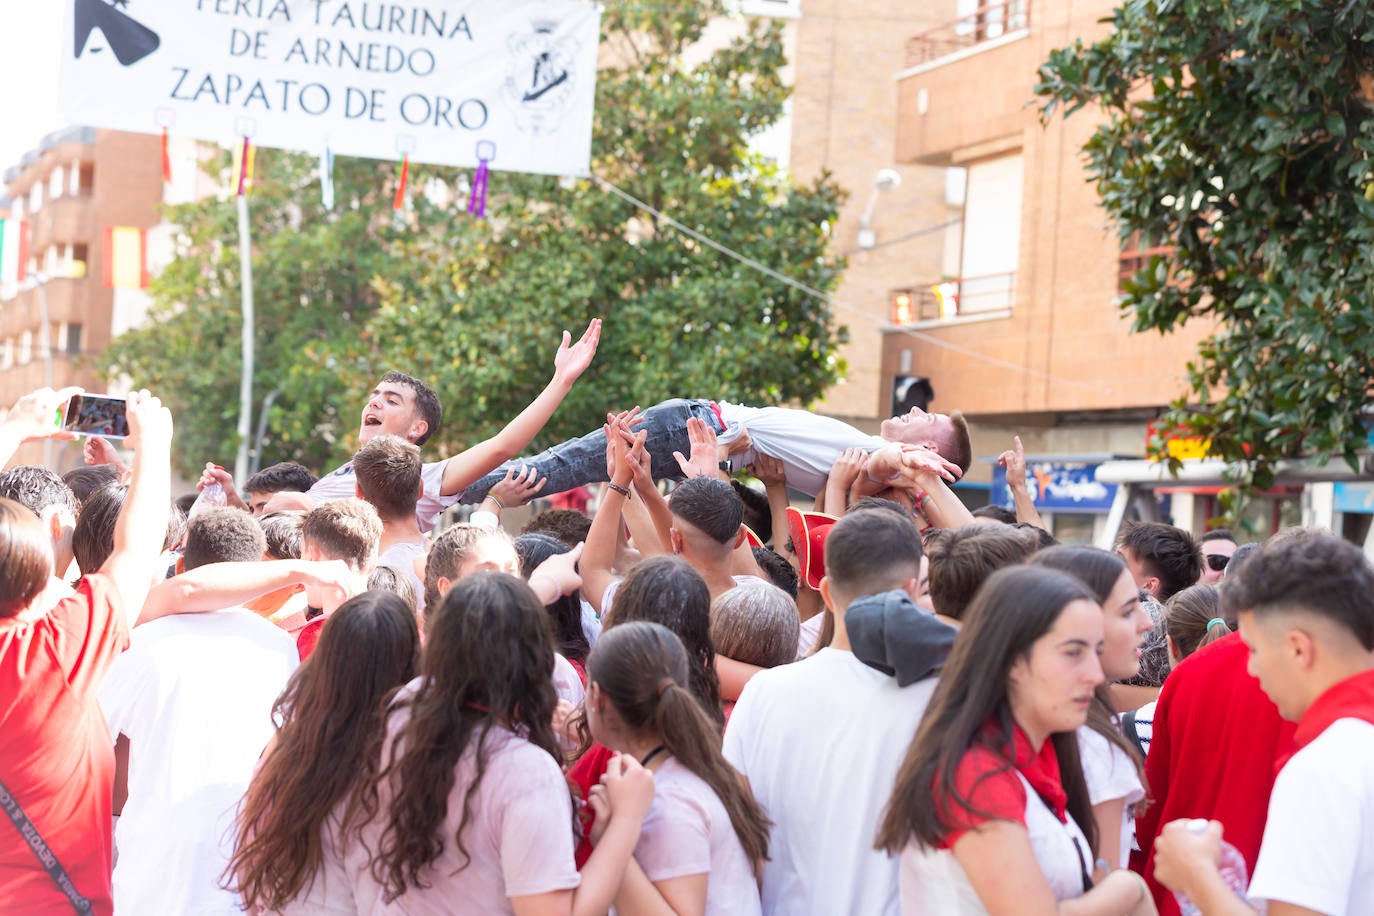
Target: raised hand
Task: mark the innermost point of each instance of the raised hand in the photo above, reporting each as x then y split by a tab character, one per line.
848	466
629	788
98	451
770	471
1014	460
573	359
703	461
516	490
35	415
150	424
920	460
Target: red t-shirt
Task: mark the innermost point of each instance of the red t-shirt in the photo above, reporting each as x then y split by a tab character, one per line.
308	636
56	755
986	778
585	774
1212	754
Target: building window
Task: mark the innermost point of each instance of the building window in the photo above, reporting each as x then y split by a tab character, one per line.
25	348
71	343
17	208
1137	252
74	177
56	183
36	197
7	353
992	235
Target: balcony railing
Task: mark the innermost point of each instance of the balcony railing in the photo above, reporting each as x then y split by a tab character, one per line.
990	21
959	298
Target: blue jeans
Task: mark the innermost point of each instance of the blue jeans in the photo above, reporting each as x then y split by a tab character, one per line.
583	460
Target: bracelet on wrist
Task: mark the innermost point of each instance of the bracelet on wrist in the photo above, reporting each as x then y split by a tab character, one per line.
623	491
499	504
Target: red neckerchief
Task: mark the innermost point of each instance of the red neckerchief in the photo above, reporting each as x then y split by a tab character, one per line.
1040	769
1352	698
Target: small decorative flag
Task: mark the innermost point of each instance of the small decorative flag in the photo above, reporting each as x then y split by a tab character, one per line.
477	203
399	203
327	178
14	250
243	167
166	159
126	257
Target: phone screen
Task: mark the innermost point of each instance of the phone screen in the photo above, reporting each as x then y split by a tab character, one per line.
97	415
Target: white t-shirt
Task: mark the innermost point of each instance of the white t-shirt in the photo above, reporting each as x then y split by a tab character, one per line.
1110	773
342	484
820	742
688	832
933	883
591	623
402	556
519	833
1318	849
194	694
806	443
566	681
809	632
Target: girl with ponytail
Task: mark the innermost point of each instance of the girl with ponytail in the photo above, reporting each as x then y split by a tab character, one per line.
705	836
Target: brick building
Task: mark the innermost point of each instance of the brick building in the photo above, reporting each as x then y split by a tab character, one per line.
74	185
1018	327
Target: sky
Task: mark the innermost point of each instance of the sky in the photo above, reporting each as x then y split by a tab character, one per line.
28	75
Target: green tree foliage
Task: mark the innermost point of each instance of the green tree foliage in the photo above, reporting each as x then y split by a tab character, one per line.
1240	134
476	306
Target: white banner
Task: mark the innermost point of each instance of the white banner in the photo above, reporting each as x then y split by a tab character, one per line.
435	79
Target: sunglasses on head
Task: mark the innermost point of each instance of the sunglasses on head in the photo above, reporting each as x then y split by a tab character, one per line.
1216	562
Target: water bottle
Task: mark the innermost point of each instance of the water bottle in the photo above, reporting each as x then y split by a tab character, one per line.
210	497
1233	871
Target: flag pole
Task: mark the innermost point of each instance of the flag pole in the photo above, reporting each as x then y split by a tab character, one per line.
246	286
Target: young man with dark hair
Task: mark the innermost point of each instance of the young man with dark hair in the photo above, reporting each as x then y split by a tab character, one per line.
343	529
282	534
284	476
1306	616
1162	559
193	696
221	534
568	525
388	471
1218	546
962	558
404	406
820	741
45	495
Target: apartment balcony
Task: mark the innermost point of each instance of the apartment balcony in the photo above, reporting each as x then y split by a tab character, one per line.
967	83
960	299
996	21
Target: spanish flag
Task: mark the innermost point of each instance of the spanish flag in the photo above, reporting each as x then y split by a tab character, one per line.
14	250
126	257
243	176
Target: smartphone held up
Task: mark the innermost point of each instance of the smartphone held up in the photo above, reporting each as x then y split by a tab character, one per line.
96	415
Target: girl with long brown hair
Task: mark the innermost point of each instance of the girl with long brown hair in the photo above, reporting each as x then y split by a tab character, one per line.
316	785
475	809
705	835
989	811
1112	765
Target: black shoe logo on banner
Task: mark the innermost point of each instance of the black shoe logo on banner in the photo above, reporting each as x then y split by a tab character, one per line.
129	39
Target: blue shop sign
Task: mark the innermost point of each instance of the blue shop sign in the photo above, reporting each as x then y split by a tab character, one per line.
1355	498
1055	487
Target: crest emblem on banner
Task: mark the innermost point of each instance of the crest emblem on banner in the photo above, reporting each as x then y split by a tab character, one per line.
540	81
128	39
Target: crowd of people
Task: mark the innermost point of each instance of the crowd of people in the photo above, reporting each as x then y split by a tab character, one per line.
318	698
